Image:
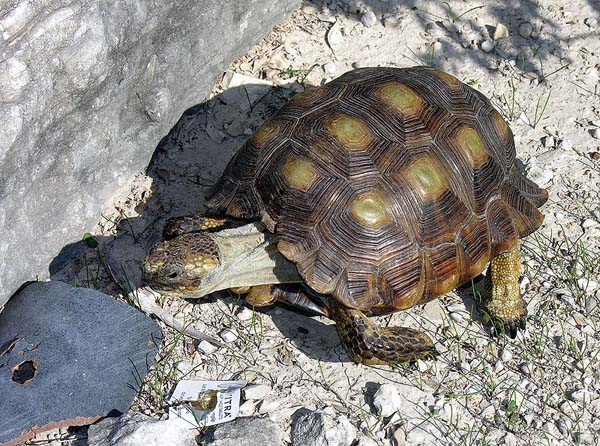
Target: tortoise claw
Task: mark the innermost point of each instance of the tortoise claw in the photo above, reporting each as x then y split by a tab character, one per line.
510	328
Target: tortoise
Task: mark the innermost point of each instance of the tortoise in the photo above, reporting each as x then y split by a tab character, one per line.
382	189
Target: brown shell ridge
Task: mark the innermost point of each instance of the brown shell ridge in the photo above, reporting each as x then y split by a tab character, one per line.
528	188
526	216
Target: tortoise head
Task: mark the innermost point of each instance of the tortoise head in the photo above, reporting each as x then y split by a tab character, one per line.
179	266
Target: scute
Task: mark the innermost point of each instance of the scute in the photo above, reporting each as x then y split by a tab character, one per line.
388	186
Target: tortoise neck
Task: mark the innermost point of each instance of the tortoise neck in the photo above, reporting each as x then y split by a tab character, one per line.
247	258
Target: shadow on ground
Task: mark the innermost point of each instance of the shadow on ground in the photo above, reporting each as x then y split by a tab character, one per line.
184	166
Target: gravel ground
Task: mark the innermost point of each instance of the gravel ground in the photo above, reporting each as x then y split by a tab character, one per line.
538	63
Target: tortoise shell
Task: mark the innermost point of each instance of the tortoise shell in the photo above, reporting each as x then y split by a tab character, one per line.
387	186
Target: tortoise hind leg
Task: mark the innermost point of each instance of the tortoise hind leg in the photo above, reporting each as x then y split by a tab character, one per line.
502	301
368	344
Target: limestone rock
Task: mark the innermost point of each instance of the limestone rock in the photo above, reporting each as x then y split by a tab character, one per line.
249	431
321	428
138	429
386	400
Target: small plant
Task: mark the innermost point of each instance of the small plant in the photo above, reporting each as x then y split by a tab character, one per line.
302	74
431	54
453	17
539	111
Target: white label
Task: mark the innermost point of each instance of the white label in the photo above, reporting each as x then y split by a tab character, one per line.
188	391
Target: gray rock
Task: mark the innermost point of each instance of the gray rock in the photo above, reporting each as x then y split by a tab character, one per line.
249	431
136	429
500	32
80	355
368	18
321	428
88	90
525	30
391	22
487	46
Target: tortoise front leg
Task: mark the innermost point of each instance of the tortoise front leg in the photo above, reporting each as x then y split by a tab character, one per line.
368	344
175	226
292	294
502	301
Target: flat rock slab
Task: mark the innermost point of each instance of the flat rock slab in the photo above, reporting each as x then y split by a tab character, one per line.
69	356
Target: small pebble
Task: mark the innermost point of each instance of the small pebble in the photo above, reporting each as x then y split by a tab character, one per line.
586	284
183	367
595	133
591	22
310	9
526	368
356	7
523	118
366	441
256	391
456	317
422	365
586	438
525	30
247	408
562	427
368	19
206	347
500	32
581	396
391	22
510	439
531	76
386	400
474	37
498	367
456	307
228	335
399	437
548	141
488	412
329	68
245	314
506	355
334	36
487	46
550	428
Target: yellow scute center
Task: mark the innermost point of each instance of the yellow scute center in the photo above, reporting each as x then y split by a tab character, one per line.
349	130
369	209
399	96
265	133
299	174
448	79
470	143
427	177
